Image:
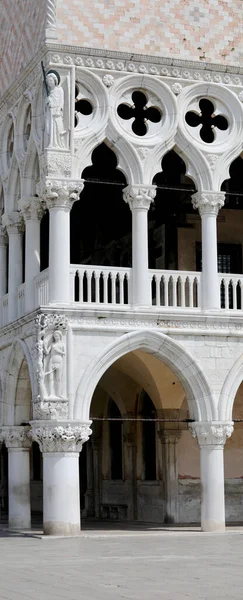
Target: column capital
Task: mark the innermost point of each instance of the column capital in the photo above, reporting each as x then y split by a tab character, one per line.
3	235
13	222
212	434
17	437
139	196
31	208
60	193
169	436
208	202
61	436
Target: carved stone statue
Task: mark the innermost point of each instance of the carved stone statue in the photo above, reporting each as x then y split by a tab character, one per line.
54	105
55	352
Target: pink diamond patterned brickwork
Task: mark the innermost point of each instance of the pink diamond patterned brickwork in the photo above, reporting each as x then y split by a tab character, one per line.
22	26
186	29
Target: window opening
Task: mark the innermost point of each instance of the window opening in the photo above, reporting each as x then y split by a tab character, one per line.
139	112
115	435
207	119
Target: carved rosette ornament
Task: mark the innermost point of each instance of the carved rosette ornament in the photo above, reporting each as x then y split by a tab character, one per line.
208	202
61	437
16	437
60	193
212	434
139	196
13	222
31	208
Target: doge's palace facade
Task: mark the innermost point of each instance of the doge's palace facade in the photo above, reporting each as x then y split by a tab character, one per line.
121	281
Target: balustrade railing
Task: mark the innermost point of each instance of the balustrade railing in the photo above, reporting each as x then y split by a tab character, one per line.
178	289
231	291
21	300
42	288
4	310
100	285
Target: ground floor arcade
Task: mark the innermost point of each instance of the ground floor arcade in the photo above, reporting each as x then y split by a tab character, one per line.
148	459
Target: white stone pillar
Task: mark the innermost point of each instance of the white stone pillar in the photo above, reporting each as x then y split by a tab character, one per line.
59	196
14	225
169	439
139	198
96	446
32	212
60	444
18	443
208	204
3	262
211	439
130	475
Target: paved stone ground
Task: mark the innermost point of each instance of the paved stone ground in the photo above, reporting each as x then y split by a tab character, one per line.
121	564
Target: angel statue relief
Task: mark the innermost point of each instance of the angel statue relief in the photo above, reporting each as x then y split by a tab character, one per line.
54	118
55	352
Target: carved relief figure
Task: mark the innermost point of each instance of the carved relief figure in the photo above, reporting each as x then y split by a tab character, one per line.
54	106
55	352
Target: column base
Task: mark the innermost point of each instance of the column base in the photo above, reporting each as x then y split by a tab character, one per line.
59	528
213	526
19	523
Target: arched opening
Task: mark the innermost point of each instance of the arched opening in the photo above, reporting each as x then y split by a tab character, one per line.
233	464
100	222
170	216
132	471
44	241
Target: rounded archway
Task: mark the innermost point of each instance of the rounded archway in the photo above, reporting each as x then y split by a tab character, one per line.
170	352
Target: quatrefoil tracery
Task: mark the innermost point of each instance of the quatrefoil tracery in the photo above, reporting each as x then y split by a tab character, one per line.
139	112
82	106
207	119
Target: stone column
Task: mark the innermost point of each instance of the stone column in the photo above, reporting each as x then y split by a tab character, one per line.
59	196
60	444
3	262
208	204
89	495
32	212
139	198
15	227
130	451
211	439
169	439
18	443
96	442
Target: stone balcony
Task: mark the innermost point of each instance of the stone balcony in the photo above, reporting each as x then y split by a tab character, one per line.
96	286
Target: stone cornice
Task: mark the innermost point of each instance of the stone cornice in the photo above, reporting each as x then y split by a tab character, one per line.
167	67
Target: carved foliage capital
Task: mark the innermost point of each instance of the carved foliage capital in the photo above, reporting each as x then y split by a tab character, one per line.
169	436
139	196
16	437
208	202
60	193
212	434
13	222
61	437
31	208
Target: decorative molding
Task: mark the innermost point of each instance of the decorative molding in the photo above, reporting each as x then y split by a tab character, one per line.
139	196
208	202
61	193
62	437
51	410
211	434
16	437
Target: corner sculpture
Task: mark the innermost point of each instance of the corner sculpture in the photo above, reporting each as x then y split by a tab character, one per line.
51	401
55	132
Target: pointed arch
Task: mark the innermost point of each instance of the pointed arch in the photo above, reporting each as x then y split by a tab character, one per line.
18	354
229	390
31	171
172	353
